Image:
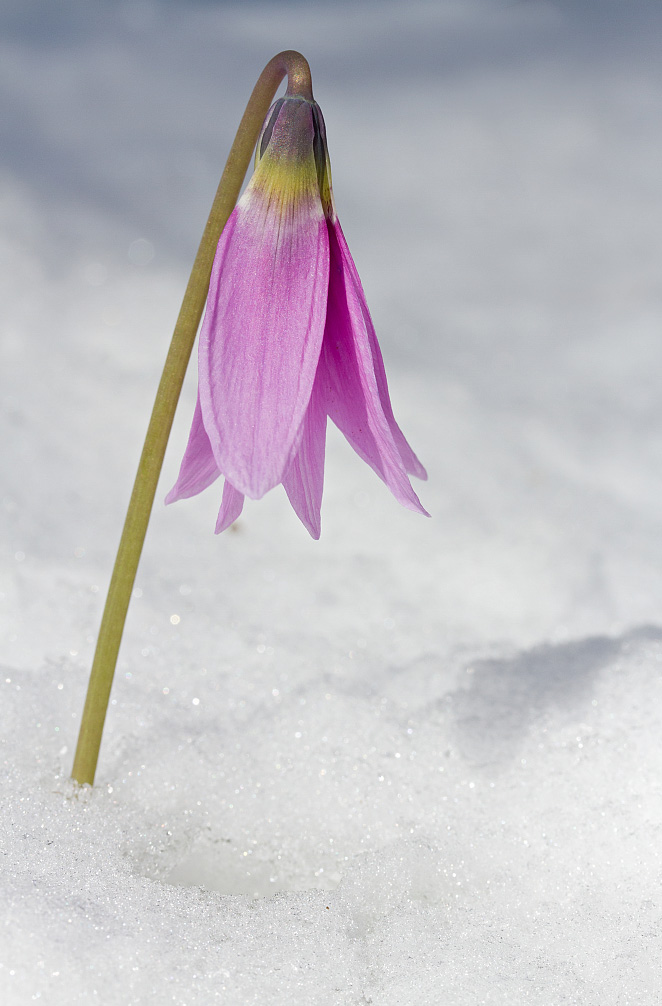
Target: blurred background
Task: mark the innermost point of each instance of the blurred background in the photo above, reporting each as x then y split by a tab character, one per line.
496	169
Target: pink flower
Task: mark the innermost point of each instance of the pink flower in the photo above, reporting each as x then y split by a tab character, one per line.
287	340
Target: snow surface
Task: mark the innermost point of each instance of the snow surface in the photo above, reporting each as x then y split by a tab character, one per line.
419	761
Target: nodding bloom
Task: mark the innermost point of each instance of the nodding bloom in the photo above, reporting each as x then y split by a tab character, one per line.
287	340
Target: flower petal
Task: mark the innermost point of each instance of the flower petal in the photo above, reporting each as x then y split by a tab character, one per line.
412	465
232	504
261	336
304	479
198	468
349	379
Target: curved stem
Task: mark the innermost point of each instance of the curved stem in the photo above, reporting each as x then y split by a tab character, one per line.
294	65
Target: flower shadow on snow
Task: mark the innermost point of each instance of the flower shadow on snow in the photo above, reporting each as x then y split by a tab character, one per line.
486	722
507	696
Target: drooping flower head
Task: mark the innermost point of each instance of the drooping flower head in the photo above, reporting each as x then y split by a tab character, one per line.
287	339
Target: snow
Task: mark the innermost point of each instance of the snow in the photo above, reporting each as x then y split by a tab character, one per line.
416	762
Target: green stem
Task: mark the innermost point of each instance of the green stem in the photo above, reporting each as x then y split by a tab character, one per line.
296	68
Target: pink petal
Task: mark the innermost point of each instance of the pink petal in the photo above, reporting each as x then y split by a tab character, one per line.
304	479
231	506
409	459
347	372
198	468
261	336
